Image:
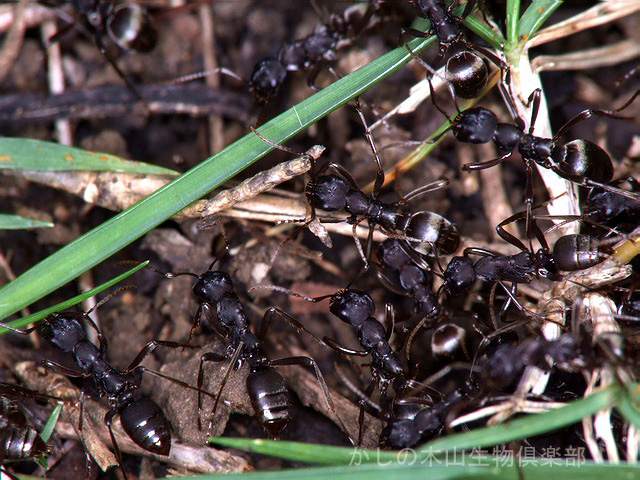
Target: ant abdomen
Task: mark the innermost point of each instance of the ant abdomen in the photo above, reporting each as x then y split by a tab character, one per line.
467	72
576	252
583	159
129	26
424	229
270	399
146	425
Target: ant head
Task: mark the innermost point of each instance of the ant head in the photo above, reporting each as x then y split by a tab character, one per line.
352	306
328	192
212	286
467	72
64	330
459	275
475	125
267	77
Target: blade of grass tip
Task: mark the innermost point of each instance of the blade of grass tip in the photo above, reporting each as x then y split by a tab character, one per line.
30	154
629	249
530	425
46	432
34	317
16	222
103	241
513	20
535	15
295	451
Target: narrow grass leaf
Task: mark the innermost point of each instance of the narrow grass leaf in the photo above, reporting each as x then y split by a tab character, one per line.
477	467
47	430
103	241
519	428
30	154
513	22
535	15
297	451
16	222
34	317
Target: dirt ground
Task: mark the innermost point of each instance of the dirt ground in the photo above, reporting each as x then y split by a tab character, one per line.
245	32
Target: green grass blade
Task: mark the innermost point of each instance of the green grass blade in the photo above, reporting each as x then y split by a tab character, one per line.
47	430
29	154
536	14
479	438
296	451
513	22
106	239
34	317
16	222
628	409
477	467
480	28
529	425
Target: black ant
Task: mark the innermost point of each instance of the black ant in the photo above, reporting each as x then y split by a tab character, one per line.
128	25
309	53
464	69
356	308
266	388
579	161
499	370
141	418
422	231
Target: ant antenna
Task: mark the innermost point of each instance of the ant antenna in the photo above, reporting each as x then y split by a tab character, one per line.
205	73
276	288
108	297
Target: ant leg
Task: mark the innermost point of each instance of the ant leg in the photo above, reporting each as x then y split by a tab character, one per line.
467	167
214	357
342	349
147	349
508	237
273	312
389	320
379	182
61	369
586	114
363	256
112	61
587	182
108	418
361	402
310	362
